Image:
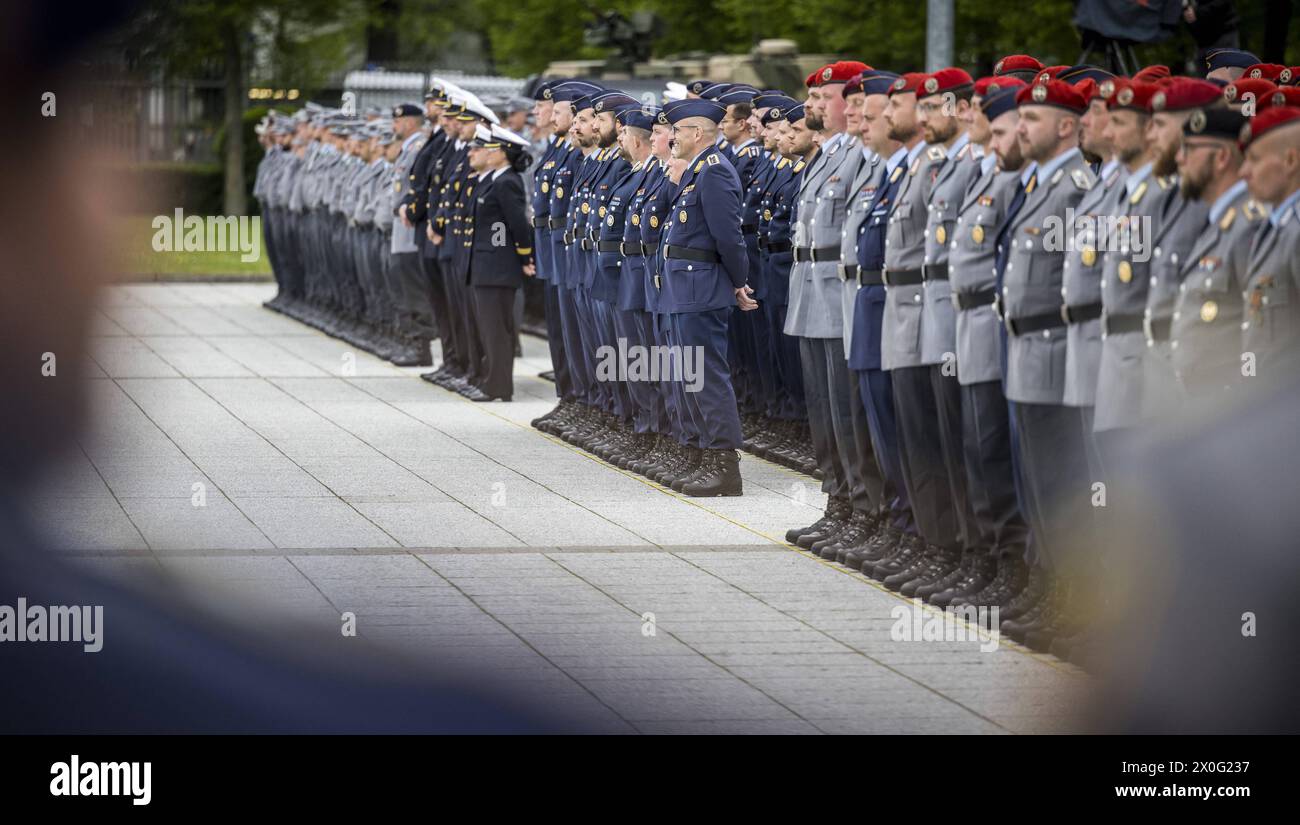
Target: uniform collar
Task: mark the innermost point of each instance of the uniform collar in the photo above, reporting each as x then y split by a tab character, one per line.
988	162
1057	162
743	145
834	140
958	144
1108	168
1140	174
416	135
900	156
915	151
496	173
1028	172
1223	201
1279	215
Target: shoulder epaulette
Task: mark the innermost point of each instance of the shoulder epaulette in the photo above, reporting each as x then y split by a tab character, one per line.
1252	210
935	153
1083	179
713	160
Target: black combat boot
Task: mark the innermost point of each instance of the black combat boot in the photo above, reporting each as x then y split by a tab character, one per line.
720	476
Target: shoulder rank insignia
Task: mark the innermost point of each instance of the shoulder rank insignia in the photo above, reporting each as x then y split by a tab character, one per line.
1082	179
713	160
1114	176
916	164
1252	210
1056	177
1165	181
1227	219
935	153
1138	193
699	166
893	176
798	166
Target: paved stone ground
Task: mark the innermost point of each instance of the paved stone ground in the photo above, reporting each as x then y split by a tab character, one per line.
333	481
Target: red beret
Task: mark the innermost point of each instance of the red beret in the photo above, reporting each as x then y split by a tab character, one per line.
1017	63
1237	90
1281	96
1265	71
1049	73
1179	94
909	82
986	86
944	80
1151	74
841	71
1052	93
1131	94
1087	88
1290	74
1266	121
811	79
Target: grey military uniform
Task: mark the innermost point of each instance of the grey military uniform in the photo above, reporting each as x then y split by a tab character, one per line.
1270	332
938	317
1205	334
403	240
971	258
1121	376
900	339
1081	287
1181	223
871	175
1032	281
814	309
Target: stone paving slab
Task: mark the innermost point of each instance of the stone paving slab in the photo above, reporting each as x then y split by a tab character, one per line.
334	482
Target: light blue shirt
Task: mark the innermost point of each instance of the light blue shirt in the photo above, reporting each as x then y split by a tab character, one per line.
987	163
1221	204
958	144
1057	162
1278	215
900	155
1140	174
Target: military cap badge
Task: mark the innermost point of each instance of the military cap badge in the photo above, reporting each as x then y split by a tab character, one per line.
1256	73
1125	96
546	93
931	85
1196	121
997	67
662	119
1158	102
900	84
1229	93
826	73
1107	88
1284	76
1039	94
1279	99
600	106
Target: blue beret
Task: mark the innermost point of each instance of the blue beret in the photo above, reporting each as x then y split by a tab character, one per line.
1000	102
681	109
1074	74
613	102
408	110
637	118
571	90
738	94
1229	58
767	100
877	82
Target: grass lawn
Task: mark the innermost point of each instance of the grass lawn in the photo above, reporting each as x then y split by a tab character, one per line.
136	259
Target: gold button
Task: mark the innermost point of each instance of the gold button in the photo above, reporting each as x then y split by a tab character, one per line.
977	234
1088	256
941	235
1125	271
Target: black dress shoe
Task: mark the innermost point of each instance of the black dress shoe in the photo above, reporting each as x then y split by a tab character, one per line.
473	393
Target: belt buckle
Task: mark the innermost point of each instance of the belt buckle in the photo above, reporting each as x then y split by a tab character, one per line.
1148	330
997	310
844	272
1065	314
884	276
622	249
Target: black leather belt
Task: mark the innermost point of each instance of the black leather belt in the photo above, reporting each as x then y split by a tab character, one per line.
568	238
685	253
1117	324
934	272
777	247
974	298
609	246
1080	314
541	223
1034	323
1157	329
556	223
871	277
587	244
632	249
816	253
848	271
902	277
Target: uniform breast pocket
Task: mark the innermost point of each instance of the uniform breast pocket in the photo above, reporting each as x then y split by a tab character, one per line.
978	232
1045	263
907	335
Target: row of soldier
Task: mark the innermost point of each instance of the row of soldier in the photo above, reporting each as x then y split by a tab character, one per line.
975	296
